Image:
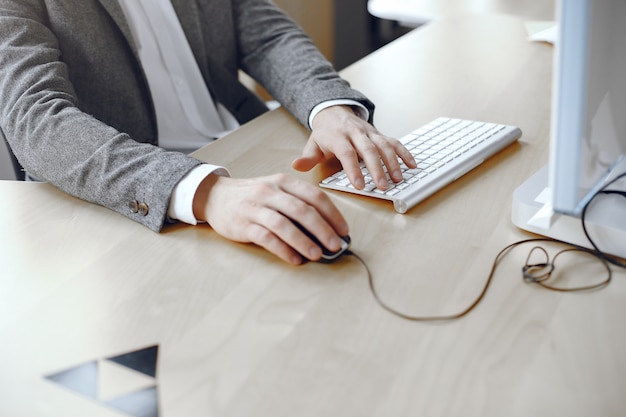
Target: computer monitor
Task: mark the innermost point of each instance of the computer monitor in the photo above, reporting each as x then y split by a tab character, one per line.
588	131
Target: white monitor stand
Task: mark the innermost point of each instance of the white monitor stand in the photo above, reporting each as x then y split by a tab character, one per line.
606	221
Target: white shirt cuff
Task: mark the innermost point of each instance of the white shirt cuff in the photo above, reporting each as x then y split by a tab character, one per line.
181	202
360	109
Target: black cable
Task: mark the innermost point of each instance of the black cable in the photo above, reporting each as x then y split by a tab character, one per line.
583	216
529	272
537	273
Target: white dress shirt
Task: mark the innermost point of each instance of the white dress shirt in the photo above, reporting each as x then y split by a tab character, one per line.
179	92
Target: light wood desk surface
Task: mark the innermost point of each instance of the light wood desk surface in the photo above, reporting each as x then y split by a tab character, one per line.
417	12
242	334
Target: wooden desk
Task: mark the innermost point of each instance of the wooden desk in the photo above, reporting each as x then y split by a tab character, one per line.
417	12
242	334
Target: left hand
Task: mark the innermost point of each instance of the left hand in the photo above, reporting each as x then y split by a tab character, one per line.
338	132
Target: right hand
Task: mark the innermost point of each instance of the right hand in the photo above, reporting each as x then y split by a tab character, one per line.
339	132
259	210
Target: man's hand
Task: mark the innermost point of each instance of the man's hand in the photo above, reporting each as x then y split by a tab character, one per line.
338	132
259	210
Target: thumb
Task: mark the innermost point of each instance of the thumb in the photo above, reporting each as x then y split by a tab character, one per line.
311	156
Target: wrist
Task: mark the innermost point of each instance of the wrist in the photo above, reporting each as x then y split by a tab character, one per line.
202	197
334	113
359	109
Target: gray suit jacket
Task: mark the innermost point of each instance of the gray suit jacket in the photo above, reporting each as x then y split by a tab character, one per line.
75	105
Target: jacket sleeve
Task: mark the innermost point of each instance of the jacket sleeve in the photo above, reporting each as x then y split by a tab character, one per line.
281	57
58	142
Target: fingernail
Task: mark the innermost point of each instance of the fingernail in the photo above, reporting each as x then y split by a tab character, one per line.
296	260
359	183
335	243
315	253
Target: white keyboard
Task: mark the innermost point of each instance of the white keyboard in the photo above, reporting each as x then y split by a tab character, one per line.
444	149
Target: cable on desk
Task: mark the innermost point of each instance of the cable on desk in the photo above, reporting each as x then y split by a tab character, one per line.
533	273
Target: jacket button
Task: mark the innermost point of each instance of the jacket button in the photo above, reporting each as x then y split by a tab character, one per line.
133	205
143	209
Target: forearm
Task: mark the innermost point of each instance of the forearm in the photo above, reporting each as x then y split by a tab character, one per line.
57	141
276	52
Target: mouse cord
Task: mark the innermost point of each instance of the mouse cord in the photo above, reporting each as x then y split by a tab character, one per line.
532	273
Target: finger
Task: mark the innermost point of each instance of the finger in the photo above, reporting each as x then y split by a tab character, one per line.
370	153
310	223
391	163
280	226
311	199
301	240
390	159
390	150
404	154
311	156
349	159
304	164
263	237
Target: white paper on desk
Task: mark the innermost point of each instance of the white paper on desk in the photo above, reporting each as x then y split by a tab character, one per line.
542	31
